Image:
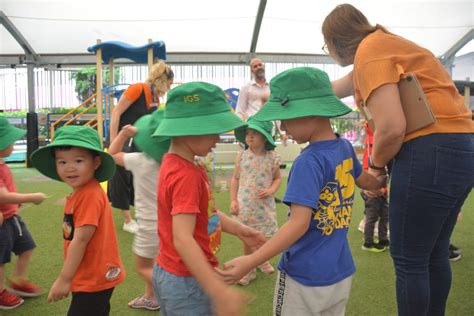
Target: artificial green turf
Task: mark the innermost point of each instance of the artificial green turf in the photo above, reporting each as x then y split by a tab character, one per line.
373	288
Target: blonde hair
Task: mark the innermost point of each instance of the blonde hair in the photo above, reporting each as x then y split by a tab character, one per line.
159	77
343	30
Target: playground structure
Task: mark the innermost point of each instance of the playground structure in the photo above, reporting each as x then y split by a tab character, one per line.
103	99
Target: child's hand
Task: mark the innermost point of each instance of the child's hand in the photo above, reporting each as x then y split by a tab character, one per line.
252	238
1	219
129	130
235	269
382	181
263	193
229	302
59	290
374	193
38	198
234	207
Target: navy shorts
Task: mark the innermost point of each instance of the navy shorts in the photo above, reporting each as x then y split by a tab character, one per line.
14	237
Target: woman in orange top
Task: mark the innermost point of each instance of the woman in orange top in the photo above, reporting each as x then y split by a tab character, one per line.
138	100
431	168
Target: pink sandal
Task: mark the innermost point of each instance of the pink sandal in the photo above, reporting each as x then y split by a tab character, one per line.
246	279
266	268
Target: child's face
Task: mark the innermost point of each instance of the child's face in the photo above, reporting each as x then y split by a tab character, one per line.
76	166
202	145
254	139
6	152
298	129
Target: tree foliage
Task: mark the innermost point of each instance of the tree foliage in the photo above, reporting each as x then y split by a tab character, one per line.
85	79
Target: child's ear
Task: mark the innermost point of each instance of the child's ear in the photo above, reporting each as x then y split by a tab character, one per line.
97	162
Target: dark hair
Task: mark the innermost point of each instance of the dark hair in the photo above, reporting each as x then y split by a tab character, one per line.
67	148
169	73
343	30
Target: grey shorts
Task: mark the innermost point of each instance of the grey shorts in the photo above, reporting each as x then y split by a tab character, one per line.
145	242
292	298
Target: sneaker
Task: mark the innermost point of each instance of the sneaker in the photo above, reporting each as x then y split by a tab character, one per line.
246	279
454	256
9	300
373	247
385	244
130	227
145	303
361	226
454	249
24	287
266	268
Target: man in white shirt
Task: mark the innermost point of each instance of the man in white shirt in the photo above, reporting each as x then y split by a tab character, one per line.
252	94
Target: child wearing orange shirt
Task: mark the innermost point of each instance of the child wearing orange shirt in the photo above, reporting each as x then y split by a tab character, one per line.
92	266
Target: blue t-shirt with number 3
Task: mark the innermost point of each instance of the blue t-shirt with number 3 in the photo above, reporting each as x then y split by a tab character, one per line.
322	178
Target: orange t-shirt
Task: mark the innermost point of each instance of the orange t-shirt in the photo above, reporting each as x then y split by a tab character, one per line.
101	267
134	91
383	58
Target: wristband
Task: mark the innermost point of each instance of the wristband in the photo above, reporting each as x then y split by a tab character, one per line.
371	166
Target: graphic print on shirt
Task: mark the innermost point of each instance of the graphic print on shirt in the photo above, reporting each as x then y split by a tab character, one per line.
112	273
335	200
68	227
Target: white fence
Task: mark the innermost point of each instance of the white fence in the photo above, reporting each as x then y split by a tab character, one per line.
54	87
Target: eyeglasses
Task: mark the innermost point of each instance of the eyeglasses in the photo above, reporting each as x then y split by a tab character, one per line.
325	49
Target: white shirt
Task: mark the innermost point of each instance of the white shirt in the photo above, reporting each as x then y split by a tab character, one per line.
250	99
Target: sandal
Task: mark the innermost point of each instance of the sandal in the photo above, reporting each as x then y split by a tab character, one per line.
266	268
247	278
145	303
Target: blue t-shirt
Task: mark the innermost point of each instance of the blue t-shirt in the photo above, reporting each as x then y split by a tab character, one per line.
322	178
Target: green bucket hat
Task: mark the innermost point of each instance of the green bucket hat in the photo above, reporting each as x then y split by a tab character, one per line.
75	136
301	92
9	134
263	127
197	108
146	125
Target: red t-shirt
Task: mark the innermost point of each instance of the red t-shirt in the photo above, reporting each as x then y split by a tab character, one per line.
6	181
183	188
100	268
369	142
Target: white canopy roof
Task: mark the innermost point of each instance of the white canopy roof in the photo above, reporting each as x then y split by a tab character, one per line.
221	26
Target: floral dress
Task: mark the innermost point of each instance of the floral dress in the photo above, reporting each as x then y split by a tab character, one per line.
256	172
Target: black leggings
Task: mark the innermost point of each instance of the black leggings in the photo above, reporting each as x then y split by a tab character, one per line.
90	303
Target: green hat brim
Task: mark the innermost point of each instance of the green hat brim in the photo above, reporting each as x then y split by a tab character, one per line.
153	147
13	134
43	160
241	132
217	123
328	106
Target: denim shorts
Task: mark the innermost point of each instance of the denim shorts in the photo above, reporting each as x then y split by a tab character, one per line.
14	237
180	295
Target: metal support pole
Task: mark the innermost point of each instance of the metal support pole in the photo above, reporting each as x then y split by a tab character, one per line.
31	118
